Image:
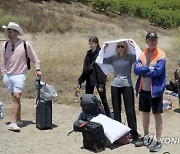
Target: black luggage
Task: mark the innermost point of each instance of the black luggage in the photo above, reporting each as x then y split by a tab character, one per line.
93	137
43	110
44	114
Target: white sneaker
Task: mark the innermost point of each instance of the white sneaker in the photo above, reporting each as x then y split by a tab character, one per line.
156	147
14	127
148	139
19	123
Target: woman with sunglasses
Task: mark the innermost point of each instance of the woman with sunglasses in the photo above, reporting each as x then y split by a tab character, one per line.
93	75
122	85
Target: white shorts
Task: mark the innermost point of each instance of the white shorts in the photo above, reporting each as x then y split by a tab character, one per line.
14	83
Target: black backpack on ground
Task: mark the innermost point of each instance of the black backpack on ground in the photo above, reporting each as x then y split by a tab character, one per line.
27	58
90	104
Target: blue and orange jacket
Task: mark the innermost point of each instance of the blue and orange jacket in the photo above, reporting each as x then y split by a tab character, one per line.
157	74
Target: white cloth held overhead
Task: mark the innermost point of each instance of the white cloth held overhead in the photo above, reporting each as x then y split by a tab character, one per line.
113	129
132	48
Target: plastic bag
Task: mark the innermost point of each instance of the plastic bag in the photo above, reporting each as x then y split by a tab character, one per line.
47	92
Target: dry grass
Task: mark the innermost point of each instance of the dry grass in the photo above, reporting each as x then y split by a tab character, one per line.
37	17
62	55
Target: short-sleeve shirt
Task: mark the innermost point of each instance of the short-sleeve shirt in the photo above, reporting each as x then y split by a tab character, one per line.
122	69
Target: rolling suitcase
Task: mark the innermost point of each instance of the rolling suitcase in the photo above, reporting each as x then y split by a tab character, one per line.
93	137
43	110
44	114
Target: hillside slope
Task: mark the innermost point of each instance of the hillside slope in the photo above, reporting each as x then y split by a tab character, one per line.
61	53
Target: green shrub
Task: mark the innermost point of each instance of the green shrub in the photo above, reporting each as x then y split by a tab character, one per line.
143	10
169	4
162	13
165	18
126	7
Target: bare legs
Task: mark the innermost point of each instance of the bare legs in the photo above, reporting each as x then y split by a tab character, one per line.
145	122
158	123
16	107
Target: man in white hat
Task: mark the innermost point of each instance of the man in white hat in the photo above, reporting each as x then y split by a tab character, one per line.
14	68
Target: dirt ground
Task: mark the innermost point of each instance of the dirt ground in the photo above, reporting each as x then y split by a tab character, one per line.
56	140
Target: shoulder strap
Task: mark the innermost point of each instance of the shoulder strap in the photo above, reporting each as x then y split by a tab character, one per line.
25	48
5	46
27	58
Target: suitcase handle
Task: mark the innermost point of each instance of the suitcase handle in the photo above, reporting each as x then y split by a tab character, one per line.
38	82
38	87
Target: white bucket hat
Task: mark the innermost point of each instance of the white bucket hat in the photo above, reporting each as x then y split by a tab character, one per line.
14	26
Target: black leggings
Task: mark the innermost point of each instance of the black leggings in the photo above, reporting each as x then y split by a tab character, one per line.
128	97
90	90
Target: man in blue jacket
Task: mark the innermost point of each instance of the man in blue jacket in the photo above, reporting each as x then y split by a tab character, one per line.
150	85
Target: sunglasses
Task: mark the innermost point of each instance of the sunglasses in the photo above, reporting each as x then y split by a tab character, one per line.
120	46
13	47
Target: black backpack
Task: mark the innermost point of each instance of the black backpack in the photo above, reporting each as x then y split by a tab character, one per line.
90	104
27	58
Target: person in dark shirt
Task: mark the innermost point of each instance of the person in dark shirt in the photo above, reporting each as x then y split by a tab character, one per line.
93	75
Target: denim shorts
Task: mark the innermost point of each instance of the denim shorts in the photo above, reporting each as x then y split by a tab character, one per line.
14	83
